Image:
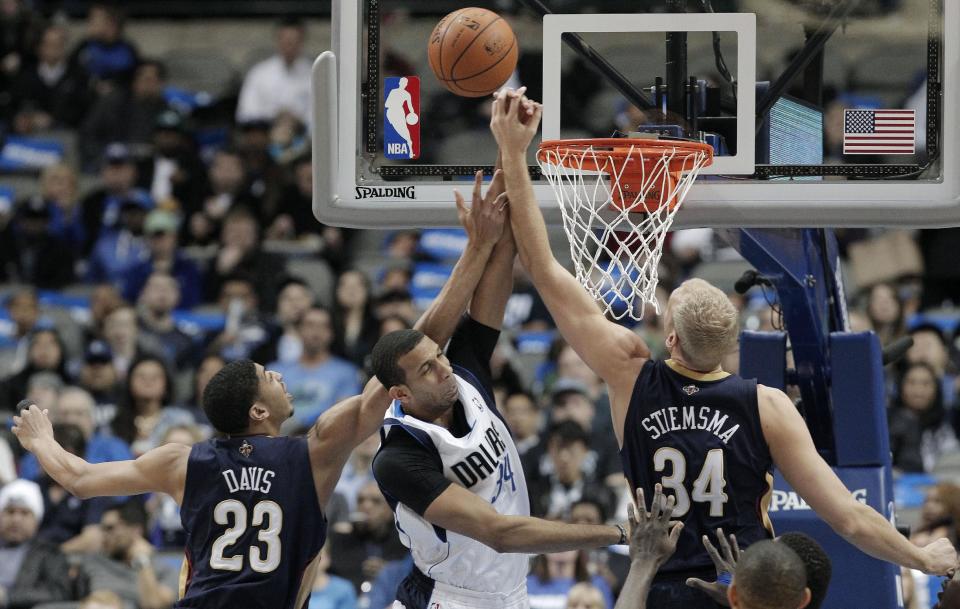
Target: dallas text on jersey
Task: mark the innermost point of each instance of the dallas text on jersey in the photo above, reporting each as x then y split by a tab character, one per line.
681	418
480	464
249	479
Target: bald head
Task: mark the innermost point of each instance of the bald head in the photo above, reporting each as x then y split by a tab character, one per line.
769	576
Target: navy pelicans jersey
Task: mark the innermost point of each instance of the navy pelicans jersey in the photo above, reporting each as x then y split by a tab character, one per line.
485	461
253	523
699	435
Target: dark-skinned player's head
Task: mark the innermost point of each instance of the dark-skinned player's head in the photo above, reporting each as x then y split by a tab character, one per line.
243	396
769	576
415	371
816	564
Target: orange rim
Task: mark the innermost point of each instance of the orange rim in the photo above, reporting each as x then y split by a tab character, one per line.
623	149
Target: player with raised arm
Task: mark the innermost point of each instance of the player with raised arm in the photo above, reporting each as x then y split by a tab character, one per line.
251	502
708	436
449	467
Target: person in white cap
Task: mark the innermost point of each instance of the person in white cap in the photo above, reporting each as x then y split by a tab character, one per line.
31	572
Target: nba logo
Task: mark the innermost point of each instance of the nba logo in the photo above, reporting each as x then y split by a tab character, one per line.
401	117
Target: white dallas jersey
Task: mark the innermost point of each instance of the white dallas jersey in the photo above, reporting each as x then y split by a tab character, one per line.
485	462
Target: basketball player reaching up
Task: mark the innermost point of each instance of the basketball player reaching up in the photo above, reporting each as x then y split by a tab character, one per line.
709	437
449	467
251	503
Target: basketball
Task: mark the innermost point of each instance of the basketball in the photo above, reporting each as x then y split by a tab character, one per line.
412	119
472	51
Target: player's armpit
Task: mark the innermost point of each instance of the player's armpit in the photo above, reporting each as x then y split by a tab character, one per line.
163	470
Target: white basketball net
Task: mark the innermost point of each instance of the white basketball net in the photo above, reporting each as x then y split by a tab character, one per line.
616	252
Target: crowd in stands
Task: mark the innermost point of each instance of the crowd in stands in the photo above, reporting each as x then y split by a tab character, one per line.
121	301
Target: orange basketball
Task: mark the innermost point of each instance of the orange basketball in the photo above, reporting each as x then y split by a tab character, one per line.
472	51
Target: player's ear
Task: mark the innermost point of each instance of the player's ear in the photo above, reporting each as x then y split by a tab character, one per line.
399	392
805	600
732	595
258	412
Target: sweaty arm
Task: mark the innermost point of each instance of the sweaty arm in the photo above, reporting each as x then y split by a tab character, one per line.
615	353
796	457
163	469
412	475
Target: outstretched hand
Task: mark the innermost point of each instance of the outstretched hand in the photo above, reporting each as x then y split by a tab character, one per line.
941	557
32	427
514	120
486	216
652	538
724	561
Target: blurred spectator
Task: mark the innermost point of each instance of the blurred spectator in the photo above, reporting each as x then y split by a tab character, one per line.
43	389
227	189
563	480
19	31
284	345
383	591
525	421
160	227
941	274
175	170
391	323
101	599
104	299
318	380
75	407
605	562
118	179
23	307
354	324
50	92
159	298
330	591
396	303
31	571
919	433
166	528
240	253
885	312
397	278
99	378
128	565
44	354
930	347
281	82
146	413
243	331
105	54
358	471
403	245
139	105
58	188
119	249
570	401
552	576
939	516
209	366
585	596
264	176
358	555
25	243
70	522
289	139
525	309
123	336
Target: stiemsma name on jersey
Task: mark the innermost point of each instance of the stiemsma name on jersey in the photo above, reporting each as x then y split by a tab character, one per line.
683	418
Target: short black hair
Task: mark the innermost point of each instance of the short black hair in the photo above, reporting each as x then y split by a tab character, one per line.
156	64
770	575
388	351
131	512
230	394
816	563
601	508
568	432
290	21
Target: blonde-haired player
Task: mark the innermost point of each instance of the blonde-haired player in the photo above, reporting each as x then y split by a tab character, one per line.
709	437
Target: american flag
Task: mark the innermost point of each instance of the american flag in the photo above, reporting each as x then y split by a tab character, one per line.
879	131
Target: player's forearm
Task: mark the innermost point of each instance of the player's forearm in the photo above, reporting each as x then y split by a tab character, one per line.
873	534
537	536
490	298
636	586
529	228
66	469
440	320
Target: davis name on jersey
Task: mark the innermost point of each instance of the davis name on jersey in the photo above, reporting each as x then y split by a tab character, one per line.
485	462
249	479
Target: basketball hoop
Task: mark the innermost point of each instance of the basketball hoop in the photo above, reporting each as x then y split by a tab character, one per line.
618	198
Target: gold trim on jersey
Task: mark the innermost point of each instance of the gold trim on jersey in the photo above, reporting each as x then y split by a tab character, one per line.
306	584
765	505
184	573
693	374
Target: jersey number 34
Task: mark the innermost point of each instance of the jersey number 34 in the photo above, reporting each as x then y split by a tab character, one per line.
707	488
